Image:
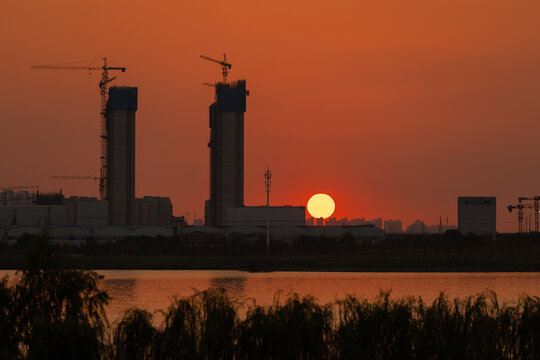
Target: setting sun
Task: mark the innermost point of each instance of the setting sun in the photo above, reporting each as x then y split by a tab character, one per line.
321	206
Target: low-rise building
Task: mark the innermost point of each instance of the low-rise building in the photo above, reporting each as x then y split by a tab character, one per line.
359	231
393	226
417	227
378	223
153	211
35	215
258	215
17	198
87	211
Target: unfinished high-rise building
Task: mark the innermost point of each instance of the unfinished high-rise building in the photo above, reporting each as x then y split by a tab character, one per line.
226	151
121	108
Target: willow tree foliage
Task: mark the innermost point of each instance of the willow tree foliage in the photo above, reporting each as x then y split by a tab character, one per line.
53	313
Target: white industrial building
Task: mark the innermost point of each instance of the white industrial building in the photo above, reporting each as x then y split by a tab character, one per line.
289	233
81	233
477	215
114	233
153	231
86	211
75	211
69	232
46	215
258	215
201	229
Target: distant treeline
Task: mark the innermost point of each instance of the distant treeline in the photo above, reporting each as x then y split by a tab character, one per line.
449	246
49	313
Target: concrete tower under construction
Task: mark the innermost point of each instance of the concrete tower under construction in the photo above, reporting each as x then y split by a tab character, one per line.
226	151
120	114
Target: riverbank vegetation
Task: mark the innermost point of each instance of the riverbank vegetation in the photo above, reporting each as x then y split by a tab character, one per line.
47	312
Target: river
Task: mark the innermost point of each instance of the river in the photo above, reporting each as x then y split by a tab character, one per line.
154	289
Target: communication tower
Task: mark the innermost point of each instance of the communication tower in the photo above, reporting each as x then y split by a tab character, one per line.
267	185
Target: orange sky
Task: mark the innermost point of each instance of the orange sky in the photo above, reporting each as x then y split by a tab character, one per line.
394	108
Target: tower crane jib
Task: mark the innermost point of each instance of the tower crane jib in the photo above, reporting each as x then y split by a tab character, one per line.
103	87
225	66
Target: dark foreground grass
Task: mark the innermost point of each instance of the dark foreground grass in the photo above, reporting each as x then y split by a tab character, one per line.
206	325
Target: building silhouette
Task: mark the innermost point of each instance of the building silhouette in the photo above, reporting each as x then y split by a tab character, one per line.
259	216
477	215
120	178
378	223
393	226
417	227
153	211
226	151
16	198
336	222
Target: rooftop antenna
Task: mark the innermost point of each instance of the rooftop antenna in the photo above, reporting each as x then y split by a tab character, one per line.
267	185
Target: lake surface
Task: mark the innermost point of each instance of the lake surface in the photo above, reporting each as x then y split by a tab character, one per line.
154	289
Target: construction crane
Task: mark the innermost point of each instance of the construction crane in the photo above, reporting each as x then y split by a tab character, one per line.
94	178
19	187
15	187
225	66
536	207
519	208
103	87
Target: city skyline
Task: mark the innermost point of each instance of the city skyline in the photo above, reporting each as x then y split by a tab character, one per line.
391	113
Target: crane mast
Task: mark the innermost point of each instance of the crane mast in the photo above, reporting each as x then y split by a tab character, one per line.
94	178
536	209
103	87
519	208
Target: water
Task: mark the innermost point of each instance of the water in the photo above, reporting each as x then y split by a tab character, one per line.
153	289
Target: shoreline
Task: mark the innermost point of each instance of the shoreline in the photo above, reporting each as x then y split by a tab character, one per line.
285	263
